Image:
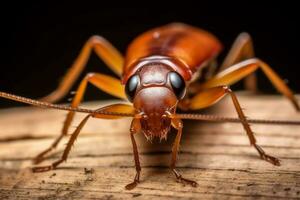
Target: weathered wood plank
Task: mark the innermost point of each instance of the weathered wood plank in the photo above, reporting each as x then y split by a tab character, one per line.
217	156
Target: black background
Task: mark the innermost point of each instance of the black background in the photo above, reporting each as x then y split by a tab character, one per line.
39	41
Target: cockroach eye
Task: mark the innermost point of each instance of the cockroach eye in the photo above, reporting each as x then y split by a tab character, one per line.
131	87
177	84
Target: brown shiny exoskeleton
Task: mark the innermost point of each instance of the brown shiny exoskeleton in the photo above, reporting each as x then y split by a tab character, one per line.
169	67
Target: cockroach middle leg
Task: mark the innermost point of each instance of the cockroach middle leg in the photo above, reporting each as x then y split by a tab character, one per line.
135	128
211	96
177	123
103	82
241	50
241	70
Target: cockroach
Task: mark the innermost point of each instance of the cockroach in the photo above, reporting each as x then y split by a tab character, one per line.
169	67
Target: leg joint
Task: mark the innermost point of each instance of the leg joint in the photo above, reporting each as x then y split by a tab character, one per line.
95	39
245	36
227	89
89	76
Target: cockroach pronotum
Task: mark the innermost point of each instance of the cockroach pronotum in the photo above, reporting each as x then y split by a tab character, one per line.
169	67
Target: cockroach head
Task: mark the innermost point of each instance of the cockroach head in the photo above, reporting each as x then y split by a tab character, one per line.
155	91
155	106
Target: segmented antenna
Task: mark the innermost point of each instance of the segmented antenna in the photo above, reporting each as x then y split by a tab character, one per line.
202	117
58	107
216	118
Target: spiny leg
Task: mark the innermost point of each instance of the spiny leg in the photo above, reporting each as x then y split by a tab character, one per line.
105	50
110	56
41	156
135	128
103	82
177	123
115	108
211	96
66	151
241	49
241	70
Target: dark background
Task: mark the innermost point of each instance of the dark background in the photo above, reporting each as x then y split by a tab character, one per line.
39	41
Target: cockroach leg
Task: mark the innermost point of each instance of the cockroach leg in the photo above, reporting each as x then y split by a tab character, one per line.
105	50
40	157
133	184
266	157
135	127
211	96
103	82
66	151
177	123
241	70
241	49
114	108
249	131
184	180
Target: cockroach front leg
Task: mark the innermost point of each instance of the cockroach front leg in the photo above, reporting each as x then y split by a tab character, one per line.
114	108
210	96
177	123
135	127
66	151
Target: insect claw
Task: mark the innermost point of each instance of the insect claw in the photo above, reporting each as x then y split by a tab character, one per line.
131	186
271	159
190	182
42	169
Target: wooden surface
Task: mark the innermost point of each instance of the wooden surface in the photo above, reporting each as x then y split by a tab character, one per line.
217	156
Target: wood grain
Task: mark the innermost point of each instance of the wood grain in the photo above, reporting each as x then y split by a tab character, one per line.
216	155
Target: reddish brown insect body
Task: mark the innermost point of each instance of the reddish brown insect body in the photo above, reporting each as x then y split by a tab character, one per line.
182	47
165	68
152	56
